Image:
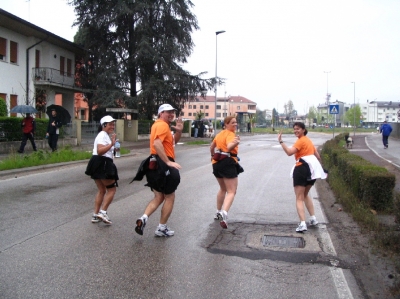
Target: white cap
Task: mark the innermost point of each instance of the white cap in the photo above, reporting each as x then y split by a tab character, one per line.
165	107
106	119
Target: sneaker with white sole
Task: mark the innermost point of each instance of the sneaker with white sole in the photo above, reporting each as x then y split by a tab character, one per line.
95	219
104	217
218	216
140	224
313	222
224	221
301	228
164	232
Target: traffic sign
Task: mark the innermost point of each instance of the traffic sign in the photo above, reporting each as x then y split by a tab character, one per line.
333	109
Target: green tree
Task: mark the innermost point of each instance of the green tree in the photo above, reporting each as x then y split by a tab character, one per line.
312	115
353	115
260	116
3	107
137	49
199	115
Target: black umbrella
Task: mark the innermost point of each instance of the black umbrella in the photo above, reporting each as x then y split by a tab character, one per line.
62	113
23	109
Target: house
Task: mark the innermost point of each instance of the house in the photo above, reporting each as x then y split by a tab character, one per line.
220	108
37	66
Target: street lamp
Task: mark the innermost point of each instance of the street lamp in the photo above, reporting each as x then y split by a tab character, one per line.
216	57
354	109
327	97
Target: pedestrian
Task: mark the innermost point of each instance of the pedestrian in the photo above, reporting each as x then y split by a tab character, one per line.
201	130
196	129
305	172
162	172
224	149
53	129
28	132
248	127
102	169
386	129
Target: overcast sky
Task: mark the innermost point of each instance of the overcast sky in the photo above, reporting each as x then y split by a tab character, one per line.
274	51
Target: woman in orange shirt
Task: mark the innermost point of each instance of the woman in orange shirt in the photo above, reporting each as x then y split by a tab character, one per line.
305	172
224	150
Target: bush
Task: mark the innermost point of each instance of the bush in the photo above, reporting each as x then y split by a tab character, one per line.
3	107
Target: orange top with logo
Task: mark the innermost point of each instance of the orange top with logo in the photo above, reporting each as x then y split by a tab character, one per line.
222	140
305	147
160	130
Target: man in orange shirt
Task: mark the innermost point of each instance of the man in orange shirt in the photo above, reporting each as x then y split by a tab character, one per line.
162	143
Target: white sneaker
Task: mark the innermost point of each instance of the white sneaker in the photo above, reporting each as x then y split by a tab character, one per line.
104	217
95	219
301	228
218	216
164	232
313	221
224	221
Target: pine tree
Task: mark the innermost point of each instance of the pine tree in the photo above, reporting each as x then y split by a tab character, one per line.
136	49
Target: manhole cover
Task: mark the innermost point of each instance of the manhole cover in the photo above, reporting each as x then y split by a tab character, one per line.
291	242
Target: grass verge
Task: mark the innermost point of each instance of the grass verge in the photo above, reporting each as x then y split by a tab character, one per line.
43	157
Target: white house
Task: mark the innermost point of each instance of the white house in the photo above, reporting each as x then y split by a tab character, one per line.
33	59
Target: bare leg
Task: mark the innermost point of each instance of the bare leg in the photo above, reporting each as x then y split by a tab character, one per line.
99	196
154	203
221	193
299	191
308	201
231	187
167	207
110	192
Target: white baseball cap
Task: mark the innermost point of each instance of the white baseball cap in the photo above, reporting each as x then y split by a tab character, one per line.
106	119
165	107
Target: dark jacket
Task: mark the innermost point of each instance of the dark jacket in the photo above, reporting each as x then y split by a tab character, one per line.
53	129
386	129
162	169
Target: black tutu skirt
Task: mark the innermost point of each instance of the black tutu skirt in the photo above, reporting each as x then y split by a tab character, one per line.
100	167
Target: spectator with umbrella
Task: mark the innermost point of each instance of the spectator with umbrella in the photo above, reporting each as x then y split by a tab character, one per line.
28	130
53	129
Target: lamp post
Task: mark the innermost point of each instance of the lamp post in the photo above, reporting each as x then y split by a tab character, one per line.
354	109
327	97
216	59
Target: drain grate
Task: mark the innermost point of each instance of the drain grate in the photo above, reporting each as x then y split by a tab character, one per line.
282	241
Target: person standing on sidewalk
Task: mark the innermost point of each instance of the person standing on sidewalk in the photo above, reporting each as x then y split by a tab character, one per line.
162	183
386	129
224	149
28	132
305	172
53	129
102	169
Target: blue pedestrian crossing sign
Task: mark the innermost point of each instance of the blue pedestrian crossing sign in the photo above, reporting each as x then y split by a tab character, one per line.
333	109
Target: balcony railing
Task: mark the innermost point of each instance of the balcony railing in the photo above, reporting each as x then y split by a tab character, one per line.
45	75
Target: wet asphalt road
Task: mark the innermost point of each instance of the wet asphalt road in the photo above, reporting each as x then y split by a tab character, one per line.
50	249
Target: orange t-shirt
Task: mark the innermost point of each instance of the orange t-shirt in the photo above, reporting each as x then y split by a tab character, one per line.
305	147
160	130
222	140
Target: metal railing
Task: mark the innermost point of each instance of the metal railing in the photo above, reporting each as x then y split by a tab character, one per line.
49	75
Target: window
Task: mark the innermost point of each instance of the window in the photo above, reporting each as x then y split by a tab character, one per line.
206	106
182	113
37	58
238	107
218	114
13	103
62	61
190	106
194	114
206	114
190	113
224	114
194	106
13	52
69	67
201	107
3	48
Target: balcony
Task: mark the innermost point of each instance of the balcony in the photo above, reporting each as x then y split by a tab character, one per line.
49	76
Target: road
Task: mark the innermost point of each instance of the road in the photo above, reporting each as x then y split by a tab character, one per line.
50	249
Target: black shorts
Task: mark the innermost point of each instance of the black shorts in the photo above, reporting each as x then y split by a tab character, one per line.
100	167
226	168
164	184
302	176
